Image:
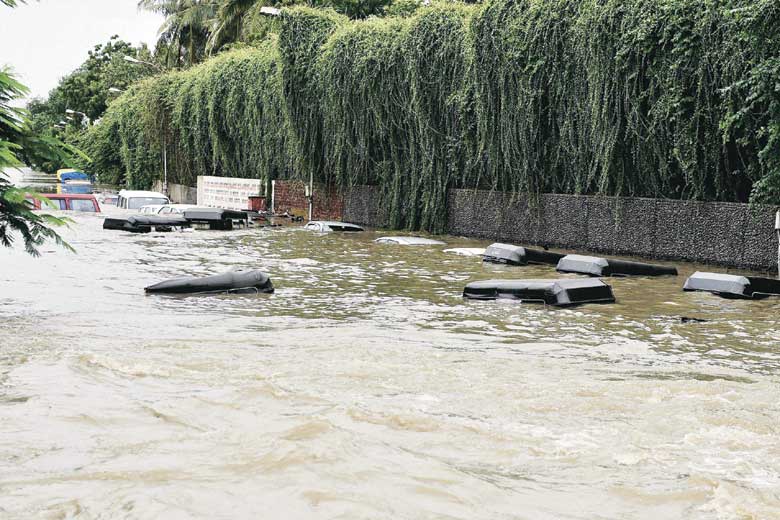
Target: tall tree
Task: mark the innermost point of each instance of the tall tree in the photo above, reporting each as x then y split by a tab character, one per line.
187	28
228	23
196	29
86	90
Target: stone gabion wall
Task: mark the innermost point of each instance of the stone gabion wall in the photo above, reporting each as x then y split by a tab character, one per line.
727	234
363	205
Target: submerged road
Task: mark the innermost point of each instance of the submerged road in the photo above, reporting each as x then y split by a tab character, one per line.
366	387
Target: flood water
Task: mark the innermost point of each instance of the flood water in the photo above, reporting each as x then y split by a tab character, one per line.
366	387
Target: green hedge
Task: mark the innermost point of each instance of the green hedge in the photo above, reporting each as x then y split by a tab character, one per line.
661	98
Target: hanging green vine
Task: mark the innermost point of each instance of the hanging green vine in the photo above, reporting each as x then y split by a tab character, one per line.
661	98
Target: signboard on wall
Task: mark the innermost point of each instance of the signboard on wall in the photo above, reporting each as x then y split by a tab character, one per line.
227	192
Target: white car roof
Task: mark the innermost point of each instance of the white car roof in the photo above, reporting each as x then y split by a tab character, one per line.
128	194
331	223
409	241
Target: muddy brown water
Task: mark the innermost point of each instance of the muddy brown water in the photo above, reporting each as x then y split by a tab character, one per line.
366	387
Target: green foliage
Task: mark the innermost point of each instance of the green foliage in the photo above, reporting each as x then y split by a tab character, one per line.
86	90
402	8
365	103
393	111
185	34
17	217
661	98
224	117
19	144
303	31
196	29
358	9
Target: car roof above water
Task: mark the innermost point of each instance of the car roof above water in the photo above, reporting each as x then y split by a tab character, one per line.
88	196
334	225
127	194
409	241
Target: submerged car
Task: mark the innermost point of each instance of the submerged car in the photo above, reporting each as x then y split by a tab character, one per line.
325	226
108	198
409	241
175	209
466	251
67	202
151	209
216	218
129	199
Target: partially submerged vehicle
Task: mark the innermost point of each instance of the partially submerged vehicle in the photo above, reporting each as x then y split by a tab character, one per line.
327	226
409	241
509	254
150	209
216	218
175	209
108	198
466	251
733	286
146	223
190	216
67	202
559	293
233	282
131	199
70	181
595	266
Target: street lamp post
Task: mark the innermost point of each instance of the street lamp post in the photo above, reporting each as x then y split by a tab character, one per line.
270	11
136	61
777	231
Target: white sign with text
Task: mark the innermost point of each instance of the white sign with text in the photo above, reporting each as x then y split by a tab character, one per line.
227	192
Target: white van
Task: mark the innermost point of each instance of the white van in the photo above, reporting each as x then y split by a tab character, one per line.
135	199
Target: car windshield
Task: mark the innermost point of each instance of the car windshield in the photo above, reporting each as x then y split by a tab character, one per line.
137	202
82	205
53	204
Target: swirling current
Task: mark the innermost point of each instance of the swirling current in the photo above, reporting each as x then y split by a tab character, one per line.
367	387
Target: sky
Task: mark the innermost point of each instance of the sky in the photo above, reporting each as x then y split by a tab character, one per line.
42	41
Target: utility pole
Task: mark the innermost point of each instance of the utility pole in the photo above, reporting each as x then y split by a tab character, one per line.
165	165
311	194
777	231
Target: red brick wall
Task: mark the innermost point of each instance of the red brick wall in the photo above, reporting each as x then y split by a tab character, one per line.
291	196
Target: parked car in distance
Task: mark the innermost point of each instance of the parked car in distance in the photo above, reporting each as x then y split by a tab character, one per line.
175	209
67	202
129	199
108	198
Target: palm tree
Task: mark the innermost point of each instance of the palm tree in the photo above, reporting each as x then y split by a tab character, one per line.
187	28
227	27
